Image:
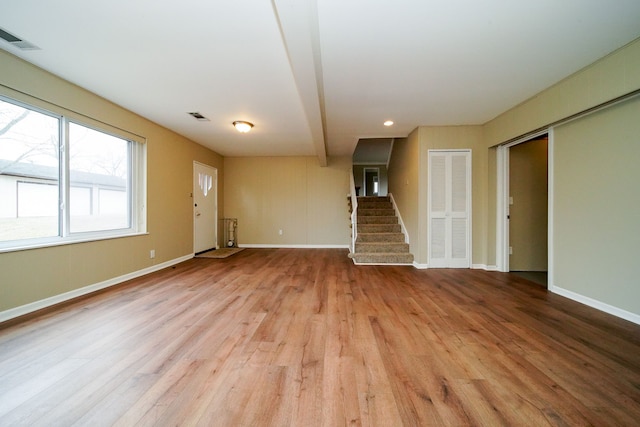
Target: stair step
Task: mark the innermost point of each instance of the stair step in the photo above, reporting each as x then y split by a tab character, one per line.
377	220
379	228
386	247
373	198
375	212
375	205
380	237
382	258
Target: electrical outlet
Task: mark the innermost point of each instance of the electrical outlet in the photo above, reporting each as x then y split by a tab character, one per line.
152	253
510	250
280	232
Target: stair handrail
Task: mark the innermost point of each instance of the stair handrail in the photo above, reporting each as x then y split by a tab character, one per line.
354	214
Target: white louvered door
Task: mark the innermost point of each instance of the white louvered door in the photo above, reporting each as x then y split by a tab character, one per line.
449	209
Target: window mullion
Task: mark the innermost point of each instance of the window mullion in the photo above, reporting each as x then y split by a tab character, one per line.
64	177
133	223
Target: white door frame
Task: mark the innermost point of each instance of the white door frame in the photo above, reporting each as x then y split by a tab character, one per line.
502	210
215	213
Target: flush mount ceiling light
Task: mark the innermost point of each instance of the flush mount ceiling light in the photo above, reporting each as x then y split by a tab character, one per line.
388	123
242	126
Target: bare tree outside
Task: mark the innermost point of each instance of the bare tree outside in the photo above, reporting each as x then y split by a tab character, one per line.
27	136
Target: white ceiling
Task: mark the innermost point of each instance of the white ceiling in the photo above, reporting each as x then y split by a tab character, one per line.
314	77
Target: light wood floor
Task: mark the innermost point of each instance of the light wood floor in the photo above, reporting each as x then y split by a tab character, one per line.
305	338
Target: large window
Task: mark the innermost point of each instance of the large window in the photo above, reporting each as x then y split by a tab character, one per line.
62	180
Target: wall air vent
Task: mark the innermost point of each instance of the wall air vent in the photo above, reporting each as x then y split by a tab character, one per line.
17	41
198	116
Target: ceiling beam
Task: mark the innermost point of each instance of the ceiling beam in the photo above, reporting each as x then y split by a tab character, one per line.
298	22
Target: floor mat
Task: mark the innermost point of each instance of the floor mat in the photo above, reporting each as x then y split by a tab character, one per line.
220	253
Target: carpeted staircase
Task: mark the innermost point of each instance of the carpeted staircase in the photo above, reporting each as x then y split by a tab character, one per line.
380	239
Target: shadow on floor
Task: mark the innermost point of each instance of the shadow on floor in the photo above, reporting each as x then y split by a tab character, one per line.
539	277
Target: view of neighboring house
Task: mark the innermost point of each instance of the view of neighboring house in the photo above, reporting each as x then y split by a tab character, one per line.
30	195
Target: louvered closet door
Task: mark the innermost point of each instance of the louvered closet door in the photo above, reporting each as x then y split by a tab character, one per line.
449	209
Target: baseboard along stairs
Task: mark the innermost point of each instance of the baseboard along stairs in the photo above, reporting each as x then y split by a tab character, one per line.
380	239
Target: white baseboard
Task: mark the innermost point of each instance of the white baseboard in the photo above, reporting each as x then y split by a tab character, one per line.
473	266
484	267
277	246
599	305
57	299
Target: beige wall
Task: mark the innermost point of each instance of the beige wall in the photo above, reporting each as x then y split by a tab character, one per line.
404	184
611	77
606	79
602	274
293	194
529	211
597	206
408	182
595	233
457	137
32	275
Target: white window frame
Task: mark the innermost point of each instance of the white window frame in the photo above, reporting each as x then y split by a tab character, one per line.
137	180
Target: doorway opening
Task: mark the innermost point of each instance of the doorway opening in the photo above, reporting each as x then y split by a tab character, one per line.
526	208
371	181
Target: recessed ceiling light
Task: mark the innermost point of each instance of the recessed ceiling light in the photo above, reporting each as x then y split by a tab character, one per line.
388	123
242	126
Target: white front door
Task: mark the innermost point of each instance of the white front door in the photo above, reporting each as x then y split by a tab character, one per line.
205	207
449	225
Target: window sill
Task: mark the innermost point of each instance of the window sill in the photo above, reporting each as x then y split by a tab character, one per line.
67	241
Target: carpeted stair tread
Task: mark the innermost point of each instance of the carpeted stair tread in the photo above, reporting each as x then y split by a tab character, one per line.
382	258
375	205
379	228
377	220
364	199
386	247
375	212
380	239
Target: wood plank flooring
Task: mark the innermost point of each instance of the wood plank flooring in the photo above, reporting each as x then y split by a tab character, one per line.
302	337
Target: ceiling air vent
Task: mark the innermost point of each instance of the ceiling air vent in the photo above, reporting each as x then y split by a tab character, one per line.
198	116
17	41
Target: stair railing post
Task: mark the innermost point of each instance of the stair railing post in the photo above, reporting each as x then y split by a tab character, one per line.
354	214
